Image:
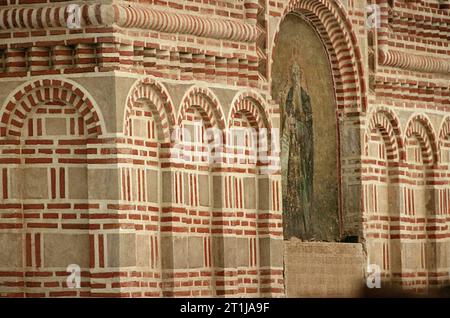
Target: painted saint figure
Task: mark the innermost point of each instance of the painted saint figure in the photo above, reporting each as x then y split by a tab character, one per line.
297	157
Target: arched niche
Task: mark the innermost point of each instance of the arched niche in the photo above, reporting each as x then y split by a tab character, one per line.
308	132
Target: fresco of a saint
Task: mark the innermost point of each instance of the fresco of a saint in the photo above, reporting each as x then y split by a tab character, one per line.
297	155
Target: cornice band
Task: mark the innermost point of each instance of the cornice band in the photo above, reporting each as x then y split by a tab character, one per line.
414	62
129	16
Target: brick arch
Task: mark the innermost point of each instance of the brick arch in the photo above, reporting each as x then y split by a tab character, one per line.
444	136
253	106
204	101
334	28
159	101
420	127
386	122
14	112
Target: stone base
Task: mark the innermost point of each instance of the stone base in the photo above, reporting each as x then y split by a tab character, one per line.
318	269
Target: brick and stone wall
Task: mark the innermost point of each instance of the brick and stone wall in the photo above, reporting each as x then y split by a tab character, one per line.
405	158
91	174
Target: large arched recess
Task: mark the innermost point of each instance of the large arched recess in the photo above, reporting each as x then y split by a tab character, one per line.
333	29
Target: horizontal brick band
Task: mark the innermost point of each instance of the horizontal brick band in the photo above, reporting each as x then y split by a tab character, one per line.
147	18
129	16
51	17
414	62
